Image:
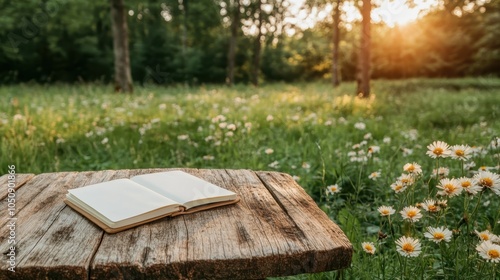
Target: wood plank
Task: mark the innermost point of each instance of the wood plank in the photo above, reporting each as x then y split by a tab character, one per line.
330	247
252	239
20	180
53	241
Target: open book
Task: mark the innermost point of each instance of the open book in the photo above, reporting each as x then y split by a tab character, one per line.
125	203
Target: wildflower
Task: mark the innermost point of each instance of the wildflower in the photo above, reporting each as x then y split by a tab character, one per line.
367	136
368	247
413	168
406	179
269	151
408	246
360	126
373	149
438	149
208	157
231	127
18	117
489	251
223	125
387	140
269	118
411	213
449	187
407	152
469	185
469	165
430	205
296	178
306	165
105	141
460	152
443	203
183	137
229	134
398	187
386	210
488	180
484	235
441	172
274	164
162	106
374	175
333	189
438	234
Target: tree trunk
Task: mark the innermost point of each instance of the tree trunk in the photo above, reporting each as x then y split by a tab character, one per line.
336	41
364	59
123	78
232	43
257	47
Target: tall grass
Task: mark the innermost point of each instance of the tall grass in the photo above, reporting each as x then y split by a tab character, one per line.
318	134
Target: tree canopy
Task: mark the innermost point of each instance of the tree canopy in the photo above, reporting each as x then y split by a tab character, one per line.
185	41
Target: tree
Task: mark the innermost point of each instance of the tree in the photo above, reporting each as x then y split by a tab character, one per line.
231	54
123	76
336	41
257	45
364	56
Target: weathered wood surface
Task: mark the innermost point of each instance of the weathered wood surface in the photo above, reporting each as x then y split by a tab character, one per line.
276	229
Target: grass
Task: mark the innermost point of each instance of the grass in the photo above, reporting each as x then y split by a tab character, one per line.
310	131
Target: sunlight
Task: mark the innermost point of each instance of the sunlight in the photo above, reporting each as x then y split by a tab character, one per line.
390	12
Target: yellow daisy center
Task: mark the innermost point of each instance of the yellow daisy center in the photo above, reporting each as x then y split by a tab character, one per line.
407	247
368	247
438	151
466	184
432	208
410	168
460	153
486	182
438	235
411	213
449	188
385	212
494	254
398	187
484	236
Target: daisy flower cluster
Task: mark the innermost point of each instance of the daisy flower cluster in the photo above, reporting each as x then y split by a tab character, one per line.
430	211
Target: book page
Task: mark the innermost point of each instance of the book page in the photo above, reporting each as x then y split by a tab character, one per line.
188	190
121	200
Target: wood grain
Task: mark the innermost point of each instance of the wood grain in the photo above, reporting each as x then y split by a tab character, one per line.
276	229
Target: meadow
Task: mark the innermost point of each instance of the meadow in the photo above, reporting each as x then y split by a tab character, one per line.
349	154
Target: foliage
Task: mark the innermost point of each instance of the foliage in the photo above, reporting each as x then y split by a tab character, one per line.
70	41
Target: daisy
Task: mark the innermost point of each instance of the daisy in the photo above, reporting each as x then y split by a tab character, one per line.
386	210
485	235
430	206
438	149
408	247
449	187
374	175
489	251
411	213
333	189
438	234
488	180
442	172
360	125
460	152
368	247
269	151
398	187
469	185
406	179
413	168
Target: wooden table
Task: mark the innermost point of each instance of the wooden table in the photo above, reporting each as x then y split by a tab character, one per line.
276	229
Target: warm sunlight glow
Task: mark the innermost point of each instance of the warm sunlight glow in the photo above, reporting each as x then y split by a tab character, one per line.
391	12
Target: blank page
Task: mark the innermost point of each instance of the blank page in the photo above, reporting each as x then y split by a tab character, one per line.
188	190
121	199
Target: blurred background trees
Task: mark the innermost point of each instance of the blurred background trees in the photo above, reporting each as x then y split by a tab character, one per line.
176	41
